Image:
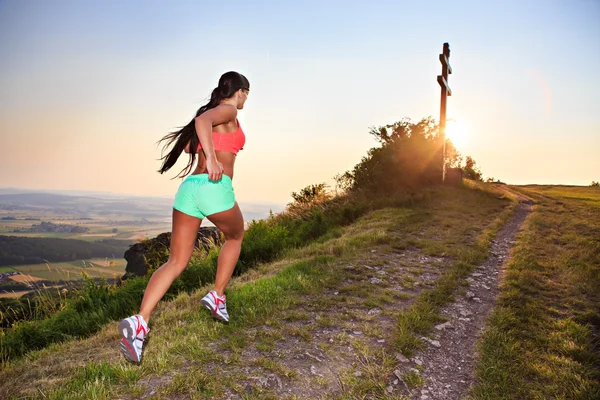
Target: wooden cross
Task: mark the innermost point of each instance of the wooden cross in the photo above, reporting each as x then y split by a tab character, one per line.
446	91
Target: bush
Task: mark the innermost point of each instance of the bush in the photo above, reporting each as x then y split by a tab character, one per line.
263	242
409	157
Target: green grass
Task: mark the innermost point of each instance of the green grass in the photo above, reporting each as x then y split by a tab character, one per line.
275	367
542	339
413	379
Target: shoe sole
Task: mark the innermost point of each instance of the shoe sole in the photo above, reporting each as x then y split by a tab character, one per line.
127	339
214	315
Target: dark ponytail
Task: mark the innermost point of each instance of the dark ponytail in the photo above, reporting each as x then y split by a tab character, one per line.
229	83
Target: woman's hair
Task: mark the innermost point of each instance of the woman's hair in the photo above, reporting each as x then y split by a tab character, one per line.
229	83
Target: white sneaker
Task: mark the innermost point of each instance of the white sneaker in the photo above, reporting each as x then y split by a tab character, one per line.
216	305
133	331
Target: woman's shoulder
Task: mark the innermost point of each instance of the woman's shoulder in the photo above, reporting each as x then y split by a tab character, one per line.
222	114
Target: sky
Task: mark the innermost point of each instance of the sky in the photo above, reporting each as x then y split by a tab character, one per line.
89	87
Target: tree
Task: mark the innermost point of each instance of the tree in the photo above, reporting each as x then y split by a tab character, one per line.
594	183
409	157
471	171
312	194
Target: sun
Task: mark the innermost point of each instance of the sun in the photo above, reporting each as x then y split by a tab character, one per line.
457	132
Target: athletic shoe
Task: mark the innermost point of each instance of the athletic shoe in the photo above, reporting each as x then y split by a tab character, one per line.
216	305
133	331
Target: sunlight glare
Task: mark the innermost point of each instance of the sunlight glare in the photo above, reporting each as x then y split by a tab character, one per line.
457	133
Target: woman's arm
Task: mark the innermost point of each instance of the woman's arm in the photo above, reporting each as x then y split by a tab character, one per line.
204	124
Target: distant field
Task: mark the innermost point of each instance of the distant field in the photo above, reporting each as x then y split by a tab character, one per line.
127	219
108	262
9	226
136	237
98	229
14	294
25	278
100	225
587	194
96	268
42	235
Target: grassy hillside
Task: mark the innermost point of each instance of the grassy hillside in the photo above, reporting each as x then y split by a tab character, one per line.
357	297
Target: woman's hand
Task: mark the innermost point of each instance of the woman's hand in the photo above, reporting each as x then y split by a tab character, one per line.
215	169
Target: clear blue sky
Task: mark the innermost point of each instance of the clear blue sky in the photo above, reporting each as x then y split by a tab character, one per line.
88	87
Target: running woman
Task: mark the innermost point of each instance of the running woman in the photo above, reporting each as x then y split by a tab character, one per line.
214	137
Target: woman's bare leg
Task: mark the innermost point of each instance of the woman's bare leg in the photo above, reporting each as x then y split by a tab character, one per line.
231	223
183	238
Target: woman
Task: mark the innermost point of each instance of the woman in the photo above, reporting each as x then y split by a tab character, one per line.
206	193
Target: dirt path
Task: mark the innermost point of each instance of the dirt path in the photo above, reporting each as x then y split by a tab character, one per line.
328	342
315	348
448	366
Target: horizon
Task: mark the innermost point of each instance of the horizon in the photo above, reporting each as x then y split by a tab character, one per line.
108	195
21	190
90	88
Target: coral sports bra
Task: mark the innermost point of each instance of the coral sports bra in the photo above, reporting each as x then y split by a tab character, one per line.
230	142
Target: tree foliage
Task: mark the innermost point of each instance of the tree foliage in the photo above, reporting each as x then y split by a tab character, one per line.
312	194
471	171
409	157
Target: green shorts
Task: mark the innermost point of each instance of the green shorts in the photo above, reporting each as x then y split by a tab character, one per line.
199	197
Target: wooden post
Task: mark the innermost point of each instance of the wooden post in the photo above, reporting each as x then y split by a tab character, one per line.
446	91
